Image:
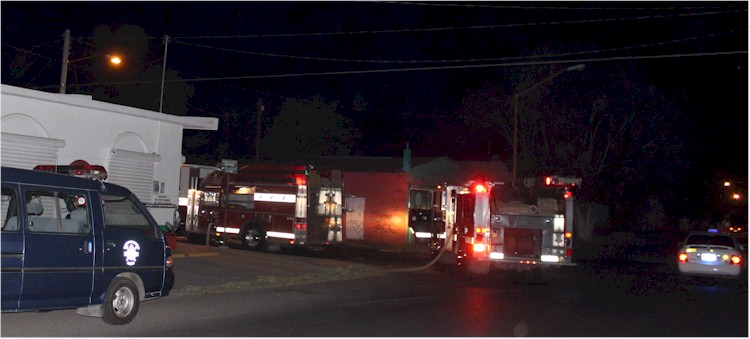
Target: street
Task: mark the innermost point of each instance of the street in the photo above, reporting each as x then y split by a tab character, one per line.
241	293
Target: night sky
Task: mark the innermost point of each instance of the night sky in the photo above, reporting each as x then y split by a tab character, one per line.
695	52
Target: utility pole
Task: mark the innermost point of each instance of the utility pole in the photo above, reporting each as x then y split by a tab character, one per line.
163	72
65	55
258	120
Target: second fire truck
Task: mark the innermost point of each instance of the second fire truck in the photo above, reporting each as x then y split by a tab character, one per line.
491	225
265	204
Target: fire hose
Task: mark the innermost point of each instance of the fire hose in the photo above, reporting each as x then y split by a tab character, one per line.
448	237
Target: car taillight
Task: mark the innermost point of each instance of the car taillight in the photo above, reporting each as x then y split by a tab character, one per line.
736	260
170	261
683	257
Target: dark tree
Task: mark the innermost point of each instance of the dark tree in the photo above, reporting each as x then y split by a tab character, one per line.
310	127
137	81
605	124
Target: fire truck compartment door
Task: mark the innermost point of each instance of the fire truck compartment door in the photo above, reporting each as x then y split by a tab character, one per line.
354	222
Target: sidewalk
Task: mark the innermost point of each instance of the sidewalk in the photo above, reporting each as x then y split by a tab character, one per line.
185	249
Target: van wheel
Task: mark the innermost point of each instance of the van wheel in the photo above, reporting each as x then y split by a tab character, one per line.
254	239
122	302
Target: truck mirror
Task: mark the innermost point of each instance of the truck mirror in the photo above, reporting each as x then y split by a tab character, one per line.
175	224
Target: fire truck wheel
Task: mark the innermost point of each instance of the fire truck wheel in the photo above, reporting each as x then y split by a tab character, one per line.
253	238
477	267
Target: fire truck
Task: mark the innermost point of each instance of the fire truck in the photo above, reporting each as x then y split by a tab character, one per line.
493	225
264	205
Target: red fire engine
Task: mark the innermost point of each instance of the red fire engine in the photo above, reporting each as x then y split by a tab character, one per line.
489	225
267	204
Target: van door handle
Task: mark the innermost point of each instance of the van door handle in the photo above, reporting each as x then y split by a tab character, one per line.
88	247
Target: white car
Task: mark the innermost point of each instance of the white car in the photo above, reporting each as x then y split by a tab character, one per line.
711	254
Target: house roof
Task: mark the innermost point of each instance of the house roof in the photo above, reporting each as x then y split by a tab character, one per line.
87	101
360	164
424	171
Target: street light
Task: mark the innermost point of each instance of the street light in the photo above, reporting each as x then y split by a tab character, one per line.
577	67
113	59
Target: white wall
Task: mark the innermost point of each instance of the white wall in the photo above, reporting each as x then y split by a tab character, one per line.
91	129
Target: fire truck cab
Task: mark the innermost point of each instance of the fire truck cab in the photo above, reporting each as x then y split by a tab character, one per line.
490	225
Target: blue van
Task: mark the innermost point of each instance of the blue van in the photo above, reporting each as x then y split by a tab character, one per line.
70	242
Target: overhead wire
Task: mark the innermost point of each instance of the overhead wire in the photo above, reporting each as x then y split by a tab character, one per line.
380	61
451	61
29	64
431	68
438	29
464	5
25	50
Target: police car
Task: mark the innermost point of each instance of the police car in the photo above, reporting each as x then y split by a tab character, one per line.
71	242
711	254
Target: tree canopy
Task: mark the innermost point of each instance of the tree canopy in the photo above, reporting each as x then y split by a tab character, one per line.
308	127
607	126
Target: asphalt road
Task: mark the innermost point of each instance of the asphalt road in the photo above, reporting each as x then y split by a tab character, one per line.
237	293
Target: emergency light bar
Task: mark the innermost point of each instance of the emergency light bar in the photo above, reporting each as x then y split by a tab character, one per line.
78	168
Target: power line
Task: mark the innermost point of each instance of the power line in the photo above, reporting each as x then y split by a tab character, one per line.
432	68
443	4
380	61
26	51
438	29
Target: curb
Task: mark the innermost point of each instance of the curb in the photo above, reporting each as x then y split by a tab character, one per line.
194	255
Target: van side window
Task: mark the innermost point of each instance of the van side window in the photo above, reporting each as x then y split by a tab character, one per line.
122	212
9	210
53	212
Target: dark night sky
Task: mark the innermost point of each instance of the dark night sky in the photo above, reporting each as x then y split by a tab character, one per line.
715	87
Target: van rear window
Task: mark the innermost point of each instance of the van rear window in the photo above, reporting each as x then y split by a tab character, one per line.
9	210
122	212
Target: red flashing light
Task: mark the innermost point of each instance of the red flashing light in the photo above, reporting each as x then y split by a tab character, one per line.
300	179
569	252
568	235
548	181
683	257
567	194
300	226
79	168
480	188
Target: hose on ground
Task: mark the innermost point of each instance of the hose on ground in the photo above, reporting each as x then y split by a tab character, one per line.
448	236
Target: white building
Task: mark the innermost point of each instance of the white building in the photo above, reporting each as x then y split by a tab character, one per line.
140	149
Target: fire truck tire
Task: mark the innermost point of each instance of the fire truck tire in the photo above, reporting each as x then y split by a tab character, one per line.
477	267
254	238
